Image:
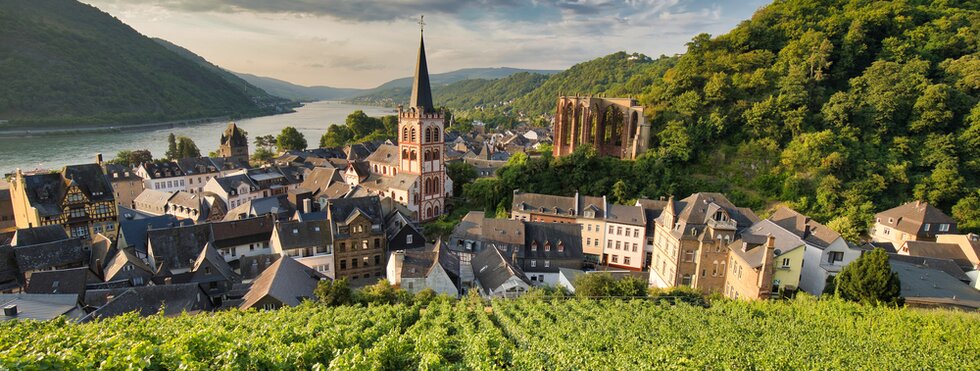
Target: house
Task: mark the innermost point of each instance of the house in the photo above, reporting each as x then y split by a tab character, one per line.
651	211
126	184
964	249
496	277
825	251
276	207
132	231
285	283
175	249
162	176
308	242
691	238
127	267
237	238
212	272
186	205
750	270
485	168
319	179
788	254
250	267
152	201
39	307
432	267
546	248
359	239
233	190
234	144
402	232
468	233
625	237
914	221
79	199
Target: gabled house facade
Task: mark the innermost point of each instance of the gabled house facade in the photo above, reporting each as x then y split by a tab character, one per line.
79	198
308	242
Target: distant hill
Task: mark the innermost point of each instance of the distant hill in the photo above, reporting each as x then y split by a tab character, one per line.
461	89
66	63
249	89
292	91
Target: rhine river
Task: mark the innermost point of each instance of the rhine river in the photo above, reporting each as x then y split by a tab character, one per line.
55	151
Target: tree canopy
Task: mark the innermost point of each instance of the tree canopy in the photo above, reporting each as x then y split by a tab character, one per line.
290	139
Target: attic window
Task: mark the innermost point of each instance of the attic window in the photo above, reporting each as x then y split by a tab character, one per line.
295	231
561	246
891	220
317	228
534	246
547	246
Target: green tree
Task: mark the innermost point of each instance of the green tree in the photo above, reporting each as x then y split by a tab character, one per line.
133	158
621	193
361	124
334	292
172	153
461	173
262	154
967	213
382	293
290	139
186	148
336	136
869	280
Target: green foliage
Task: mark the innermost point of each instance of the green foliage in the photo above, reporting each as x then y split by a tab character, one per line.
69	64
359	128
263	154
967	213
172	147
525	334
186	148
869	280
382	293
334	292
604	285
265	141
290	139
461	173
132	158
336	136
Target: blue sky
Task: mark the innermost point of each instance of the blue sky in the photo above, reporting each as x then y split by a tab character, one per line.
364	43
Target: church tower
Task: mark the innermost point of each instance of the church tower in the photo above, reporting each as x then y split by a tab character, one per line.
234	144
421	144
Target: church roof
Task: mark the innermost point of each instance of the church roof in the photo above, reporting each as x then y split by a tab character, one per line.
421	91
234	136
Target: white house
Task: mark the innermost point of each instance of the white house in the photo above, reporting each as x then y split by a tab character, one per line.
431	267
496	277
825	252
309	243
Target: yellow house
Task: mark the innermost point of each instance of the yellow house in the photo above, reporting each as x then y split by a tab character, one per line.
789	251
79	198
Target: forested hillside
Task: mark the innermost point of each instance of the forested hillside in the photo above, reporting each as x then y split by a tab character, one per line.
67	63
840	108
251	90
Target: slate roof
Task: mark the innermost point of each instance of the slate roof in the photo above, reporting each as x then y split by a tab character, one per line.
695	211
320	178
251	266
10	276
160	170
544	204
90	179
417	262
924	282
754	255
386	154
147	300
568	235
240	232
623	214
950	251
210	255
401	181
152	201
38	235
287	280
62	281
342	208
948	266
491	269
233	136
421	92
197	165
231	183
50	254
294	235
652	210
910	217
39	307
135	230
505	231
224	163
178	247
188	200
802	226
119	172
45	192
448	260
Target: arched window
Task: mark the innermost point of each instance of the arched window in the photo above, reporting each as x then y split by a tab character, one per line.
428	212
435	185
426	186
405	134
413	135
415	155
435	209
435	134
405	154
435	155
428	135
427	155
375	168
384	170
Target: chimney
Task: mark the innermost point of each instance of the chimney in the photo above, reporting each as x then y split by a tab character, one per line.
10	310
766	271
398	259
513	256
168	280
98	158
917	203
806	231
307	205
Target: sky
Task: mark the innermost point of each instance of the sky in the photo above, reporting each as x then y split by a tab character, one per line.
364	43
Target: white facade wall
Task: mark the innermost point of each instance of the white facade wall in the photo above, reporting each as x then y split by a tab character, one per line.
816	267
624	245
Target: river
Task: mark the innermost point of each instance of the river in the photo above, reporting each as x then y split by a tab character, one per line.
55	151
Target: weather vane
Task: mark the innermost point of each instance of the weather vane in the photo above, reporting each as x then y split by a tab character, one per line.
422	22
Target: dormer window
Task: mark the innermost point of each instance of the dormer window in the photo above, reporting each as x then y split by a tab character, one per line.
944	227
534	246
925	227
891	220
720	216
547	246
561	246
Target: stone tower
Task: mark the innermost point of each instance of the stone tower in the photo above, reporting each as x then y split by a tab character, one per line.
234	144
421	144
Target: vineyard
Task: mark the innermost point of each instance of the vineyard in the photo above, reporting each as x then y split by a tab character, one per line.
519	334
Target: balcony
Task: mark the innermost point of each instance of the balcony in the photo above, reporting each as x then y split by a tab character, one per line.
728	224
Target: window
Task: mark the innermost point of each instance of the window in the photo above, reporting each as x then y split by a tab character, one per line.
589	227
377	260
343	264
534	263
77	213
615	258
408	238
835	256
377	243
561	246
611	229
686	280
588	241
342	247
636	232
944	227
547	263
534	246
364	244
608	244
619	231
689	255
207	270
626	260
925	227
353	263
137	281
547	246
213	285
785	262
617	245
634	246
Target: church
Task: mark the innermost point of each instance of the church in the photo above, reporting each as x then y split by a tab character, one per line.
413	171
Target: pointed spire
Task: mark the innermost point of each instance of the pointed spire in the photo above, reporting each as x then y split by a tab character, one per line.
421	91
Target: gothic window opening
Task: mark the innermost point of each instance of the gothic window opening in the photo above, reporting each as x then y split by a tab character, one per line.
428	135
435	135
413	135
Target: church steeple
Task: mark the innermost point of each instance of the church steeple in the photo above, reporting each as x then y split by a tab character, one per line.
421	91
